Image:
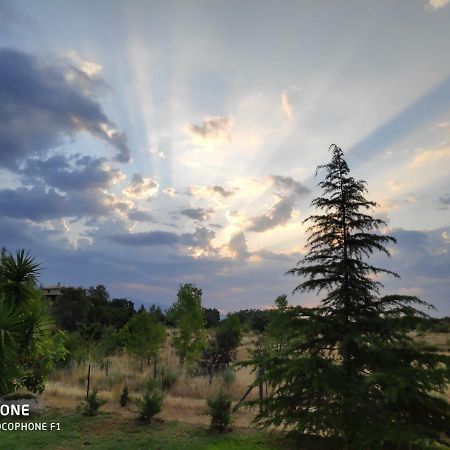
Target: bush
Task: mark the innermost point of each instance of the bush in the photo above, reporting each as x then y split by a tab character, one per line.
150	403
219	408
193	369
169	378
228	376
124	398
92	404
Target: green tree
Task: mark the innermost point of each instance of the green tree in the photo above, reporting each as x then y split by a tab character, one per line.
350	369
187	314
212	317
156	311
29	345
220	350
70	308
144	336
277	332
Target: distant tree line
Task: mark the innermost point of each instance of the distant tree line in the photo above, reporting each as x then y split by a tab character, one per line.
80	307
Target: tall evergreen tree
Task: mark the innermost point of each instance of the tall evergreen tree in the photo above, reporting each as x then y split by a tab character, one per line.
349	369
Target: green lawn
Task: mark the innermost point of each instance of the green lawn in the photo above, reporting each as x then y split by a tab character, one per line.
110	431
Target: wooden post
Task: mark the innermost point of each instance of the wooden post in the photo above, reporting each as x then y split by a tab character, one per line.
88	381
249	389
154	369
261	389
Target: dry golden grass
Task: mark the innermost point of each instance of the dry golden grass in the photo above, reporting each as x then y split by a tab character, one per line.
440	340
66	387
186	402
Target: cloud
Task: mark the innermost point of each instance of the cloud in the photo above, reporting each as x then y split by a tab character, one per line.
41	106
212	128
287	106
445	201
141	188
170	191
40	203
222	191
75	173
201	237
288	183
436	4
288	191
159	153
238	246
430	156
139	215
91	68
200	214
59	187
278	214
215	191
148	239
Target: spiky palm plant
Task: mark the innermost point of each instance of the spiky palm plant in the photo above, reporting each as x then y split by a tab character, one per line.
26	343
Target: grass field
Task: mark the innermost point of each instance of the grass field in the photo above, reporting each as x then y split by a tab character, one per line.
186	401
181	424
112	431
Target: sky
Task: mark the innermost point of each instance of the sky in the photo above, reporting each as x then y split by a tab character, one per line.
146	144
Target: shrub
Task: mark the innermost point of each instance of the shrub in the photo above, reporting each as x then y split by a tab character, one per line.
124	398
150	403
228	376
92	404
193	369
219	408
169	378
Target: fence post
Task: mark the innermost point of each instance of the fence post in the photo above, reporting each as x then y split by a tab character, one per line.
261	389
88	381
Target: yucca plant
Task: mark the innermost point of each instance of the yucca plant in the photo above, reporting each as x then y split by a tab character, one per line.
28	344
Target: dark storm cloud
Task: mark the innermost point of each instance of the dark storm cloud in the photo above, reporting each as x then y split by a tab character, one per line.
41	106
200	214
278	214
